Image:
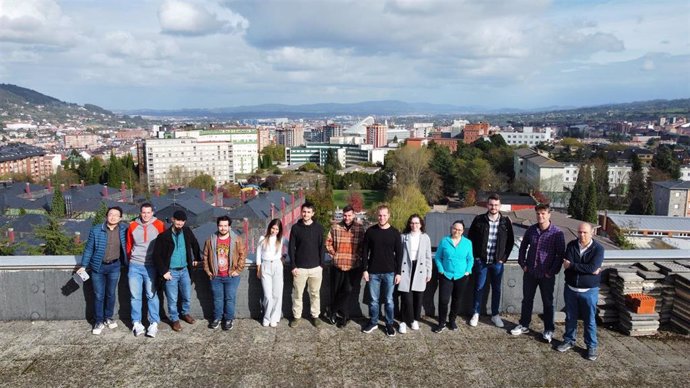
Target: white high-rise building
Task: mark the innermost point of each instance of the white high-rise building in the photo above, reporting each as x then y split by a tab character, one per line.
245	145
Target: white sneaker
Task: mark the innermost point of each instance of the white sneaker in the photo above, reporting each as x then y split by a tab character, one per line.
265	324
519	329
496	319
414	325
137	329
274	324
402	328
548	336
111	324
97	329
474	320
152	330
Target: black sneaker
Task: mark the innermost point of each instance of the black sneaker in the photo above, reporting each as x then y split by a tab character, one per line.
215	324
390	331
439	328
227	325
342	323
452	325
330	319
368	328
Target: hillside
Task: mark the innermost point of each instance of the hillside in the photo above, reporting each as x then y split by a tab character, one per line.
26	105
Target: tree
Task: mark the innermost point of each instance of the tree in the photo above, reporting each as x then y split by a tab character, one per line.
407	200
115	172
590	213
578	197
6	248
665	161
356	200
601	180
637	187
470	198
203	181
57	205
323	204
57	242
275	151
409	164
101	214
332	159
443	164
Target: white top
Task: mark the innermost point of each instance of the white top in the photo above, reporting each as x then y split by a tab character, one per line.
414	245
268	252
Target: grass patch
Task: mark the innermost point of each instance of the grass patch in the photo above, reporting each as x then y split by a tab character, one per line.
371	197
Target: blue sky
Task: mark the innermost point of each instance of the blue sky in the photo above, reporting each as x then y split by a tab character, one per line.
212	53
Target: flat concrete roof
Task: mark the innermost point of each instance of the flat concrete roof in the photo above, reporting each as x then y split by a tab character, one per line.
65	353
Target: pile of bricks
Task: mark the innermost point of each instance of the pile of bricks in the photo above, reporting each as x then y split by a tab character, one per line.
681	307
639	317
657	285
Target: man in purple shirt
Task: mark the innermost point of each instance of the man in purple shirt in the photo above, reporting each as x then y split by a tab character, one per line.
541	255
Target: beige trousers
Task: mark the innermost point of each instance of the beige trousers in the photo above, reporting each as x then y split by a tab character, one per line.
312	279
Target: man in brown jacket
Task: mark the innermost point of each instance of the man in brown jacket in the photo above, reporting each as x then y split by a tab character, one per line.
224	258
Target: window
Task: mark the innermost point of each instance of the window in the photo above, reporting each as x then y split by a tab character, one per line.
677	195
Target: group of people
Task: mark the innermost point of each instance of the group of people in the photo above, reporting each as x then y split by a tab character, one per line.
384	258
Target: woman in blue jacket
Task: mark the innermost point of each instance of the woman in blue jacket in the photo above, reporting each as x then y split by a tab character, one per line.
454	262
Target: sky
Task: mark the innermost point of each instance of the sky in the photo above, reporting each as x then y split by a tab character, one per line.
169	54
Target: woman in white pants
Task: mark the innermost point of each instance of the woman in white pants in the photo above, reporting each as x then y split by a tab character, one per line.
269	268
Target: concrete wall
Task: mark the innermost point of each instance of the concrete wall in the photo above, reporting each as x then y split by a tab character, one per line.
51	294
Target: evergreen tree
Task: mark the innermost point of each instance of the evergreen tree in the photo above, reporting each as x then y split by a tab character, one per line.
590	213
323	204
443	164
57	205
601	179
578	197
101	213
57	242
115	171
648	197
636	189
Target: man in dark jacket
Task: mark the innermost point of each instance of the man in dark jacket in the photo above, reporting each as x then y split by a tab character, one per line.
176	250
492	240
306	251
583	260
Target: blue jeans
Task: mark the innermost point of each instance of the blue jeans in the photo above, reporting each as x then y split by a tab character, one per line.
104	285
481	271
584	305
375	282
529	289
180	282
224	292
142	278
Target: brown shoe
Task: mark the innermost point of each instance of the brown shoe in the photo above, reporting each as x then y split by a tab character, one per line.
176	326
188	318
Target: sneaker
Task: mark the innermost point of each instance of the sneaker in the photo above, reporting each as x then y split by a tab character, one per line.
215	324
227	324
592	354
474	320
452	325
330	319
548	336
316	322
97	328
295	322
439	328
138	329
519	329
152	330
402	328
564	347
414	325
110	323
343	323
496	319
273	324
265	324
390	331
368	328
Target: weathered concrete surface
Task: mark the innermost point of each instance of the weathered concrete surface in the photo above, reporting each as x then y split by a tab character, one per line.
65	353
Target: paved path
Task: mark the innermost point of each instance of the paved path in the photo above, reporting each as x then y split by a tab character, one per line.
65	353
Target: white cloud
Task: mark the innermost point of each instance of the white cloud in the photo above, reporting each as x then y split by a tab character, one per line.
198	18
125	44
35	22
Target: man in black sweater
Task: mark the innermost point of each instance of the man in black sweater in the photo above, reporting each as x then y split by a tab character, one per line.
381	261
306	251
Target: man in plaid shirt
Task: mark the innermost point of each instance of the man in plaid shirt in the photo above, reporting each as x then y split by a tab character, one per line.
344	243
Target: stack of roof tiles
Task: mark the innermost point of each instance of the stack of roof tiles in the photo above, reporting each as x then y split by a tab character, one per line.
607	309
656	284
626	281
680	316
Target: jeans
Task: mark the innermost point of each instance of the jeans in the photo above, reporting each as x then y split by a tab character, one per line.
529	289
481	271
143	278
376	280
584	305
224	292
446	288
343	284
104	284
180	282
272	284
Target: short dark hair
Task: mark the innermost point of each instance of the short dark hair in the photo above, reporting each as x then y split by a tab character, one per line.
542	206
145	204
223	218
114	208
307	205
494	196
461	222
348	208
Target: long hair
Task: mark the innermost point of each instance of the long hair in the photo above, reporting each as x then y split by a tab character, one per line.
408	228
279	236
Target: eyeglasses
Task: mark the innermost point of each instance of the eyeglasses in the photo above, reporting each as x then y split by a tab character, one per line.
457	230
414	223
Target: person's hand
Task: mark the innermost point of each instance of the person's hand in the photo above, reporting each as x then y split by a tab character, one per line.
428	279
597	272
467	274
294	272
81	270
548	276
167	276
524	268
566	263
365	276
258	272
195	264
396	280
235	274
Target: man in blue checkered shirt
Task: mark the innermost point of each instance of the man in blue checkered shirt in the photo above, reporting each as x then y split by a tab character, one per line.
492	240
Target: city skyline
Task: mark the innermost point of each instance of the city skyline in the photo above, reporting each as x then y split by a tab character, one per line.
171	54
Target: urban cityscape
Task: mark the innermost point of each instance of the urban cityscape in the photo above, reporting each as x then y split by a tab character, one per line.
540	146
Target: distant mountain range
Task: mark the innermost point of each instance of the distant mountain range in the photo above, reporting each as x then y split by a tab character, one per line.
22	104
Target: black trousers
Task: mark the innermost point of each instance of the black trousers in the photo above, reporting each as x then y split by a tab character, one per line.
411	302
343	284
446	288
